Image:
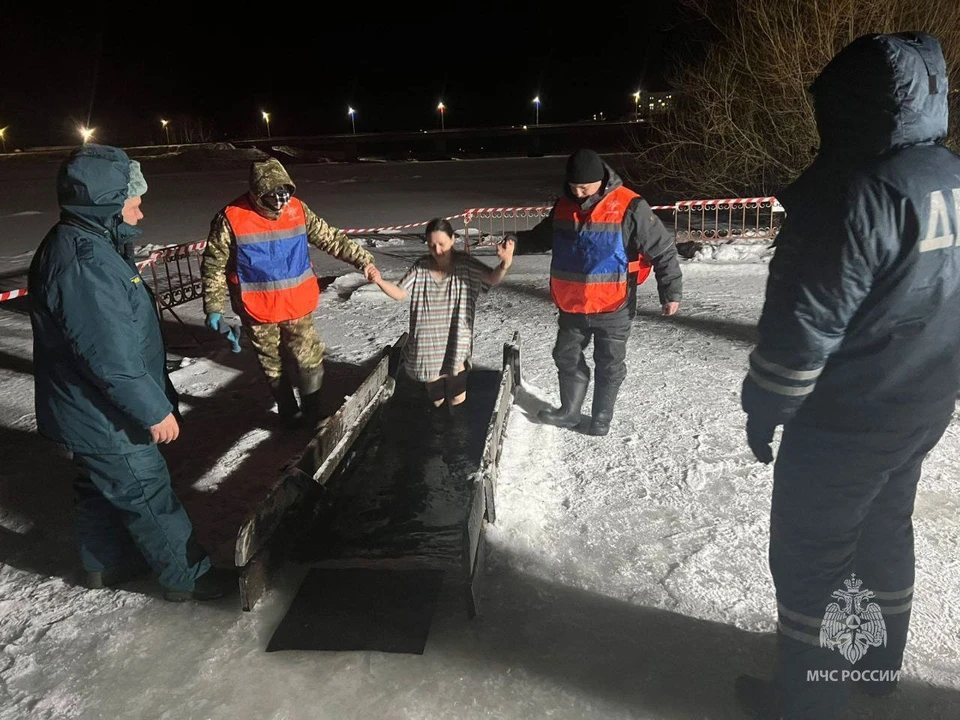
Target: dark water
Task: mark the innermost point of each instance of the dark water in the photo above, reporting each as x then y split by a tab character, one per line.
409	488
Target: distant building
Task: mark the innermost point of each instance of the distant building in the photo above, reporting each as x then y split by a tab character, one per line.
653	103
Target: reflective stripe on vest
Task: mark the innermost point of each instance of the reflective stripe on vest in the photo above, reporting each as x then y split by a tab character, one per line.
589	271
273	267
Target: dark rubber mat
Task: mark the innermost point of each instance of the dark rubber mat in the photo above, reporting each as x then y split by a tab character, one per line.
360	609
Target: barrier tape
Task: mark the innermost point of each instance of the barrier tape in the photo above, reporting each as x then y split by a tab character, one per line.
175	251
11	294
393	228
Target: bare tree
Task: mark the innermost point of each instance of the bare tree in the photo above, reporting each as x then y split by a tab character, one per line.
191	129
744	120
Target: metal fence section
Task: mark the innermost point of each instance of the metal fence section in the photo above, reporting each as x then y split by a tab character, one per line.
174	275
488	226
726	220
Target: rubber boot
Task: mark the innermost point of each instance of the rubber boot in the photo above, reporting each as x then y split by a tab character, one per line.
604	398
572	393
282	391
310	383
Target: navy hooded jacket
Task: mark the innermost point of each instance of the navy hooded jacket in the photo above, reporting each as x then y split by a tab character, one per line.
859	328
99	359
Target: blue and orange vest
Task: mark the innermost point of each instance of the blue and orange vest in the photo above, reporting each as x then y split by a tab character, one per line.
589	272
273	268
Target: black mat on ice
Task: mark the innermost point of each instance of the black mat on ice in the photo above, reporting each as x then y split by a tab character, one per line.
360	609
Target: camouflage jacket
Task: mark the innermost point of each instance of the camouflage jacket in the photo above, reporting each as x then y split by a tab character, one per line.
219	257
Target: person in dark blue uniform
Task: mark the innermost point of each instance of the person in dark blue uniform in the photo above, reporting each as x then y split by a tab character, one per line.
858	359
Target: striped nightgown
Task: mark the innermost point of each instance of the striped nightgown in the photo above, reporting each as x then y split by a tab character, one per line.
441	316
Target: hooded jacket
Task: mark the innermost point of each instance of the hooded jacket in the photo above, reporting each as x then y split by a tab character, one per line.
644	237
859	327
220	257
99	360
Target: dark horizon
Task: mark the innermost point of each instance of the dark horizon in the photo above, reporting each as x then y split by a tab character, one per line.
123	72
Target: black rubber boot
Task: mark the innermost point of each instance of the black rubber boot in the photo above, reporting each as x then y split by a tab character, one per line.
604	398
310	384
287	408
572	393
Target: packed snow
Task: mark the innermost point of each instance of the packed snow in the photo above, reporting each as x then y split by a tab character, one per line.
627	575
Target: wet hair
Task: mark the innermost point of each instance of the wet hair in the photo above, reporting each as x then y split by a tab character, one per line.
438	225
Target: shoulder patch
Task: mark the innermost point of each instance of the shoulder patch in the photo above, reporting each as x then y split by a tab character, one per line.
135	279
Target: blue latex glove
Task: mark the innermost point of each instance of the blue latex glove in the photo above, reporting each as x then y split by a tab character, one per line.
216	323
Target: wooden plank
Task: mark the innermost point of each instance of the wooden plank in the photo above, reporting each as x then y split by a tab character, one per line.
266	517
325	450
474	524
474	588
493	443
256	576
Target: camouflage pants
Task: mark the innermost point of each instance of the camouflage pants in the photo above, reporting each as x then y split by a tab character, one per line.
296	339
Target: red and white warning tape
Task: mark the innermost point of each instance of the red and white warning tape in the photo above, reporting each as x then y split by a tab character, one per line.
11	294
392	228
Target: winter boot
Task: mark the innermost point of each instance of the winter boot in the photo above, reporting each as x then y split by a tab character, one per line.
572	393
604	398
282	391
108	577
759	698
310	384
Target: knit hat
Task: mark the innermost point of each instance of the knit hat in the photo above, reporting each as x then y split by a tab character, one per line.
584	167
136	185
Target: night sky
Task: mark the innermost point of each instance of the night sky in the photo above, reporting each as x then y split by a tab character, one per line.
121	69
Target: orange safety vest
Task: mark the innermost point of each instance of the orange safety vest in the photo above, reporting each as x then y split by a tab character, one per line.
273	268
589	270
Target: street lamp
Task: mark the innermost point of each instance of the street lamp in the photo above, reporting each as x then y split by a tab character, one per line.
536	101
3	138
163	124
353	123
266	119
441	107
636	106
86	134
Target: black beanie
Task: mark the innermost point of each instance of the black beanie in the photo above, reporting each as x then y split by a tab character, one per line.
584	167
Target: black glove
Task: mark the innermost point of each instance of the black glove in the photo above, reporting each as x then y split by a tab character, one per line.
759	437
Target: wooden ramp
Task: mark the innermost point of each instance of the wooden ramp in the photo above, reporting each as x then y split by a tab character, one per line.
389	481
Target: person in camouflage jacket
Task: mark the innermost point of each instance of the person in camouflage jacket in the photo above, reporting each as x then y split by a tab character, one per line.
257	254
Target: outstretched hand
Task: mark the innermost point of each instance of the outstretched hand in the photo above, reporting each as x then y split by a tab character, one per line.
372	274
505	251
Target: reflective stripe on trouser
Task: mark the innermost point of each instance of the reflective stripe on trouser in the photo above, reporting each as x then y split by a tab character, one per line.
296	339
123	504
842	504
609	331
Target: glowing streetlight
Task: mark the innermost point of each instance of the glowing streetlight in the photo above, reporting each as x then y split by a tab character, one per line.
353	123
636	106
441	107
3	138
86	134
536	101
266	119
164	124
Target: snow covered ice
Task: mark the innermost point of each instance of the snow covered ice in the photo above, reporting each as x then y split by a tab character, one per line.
627	575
